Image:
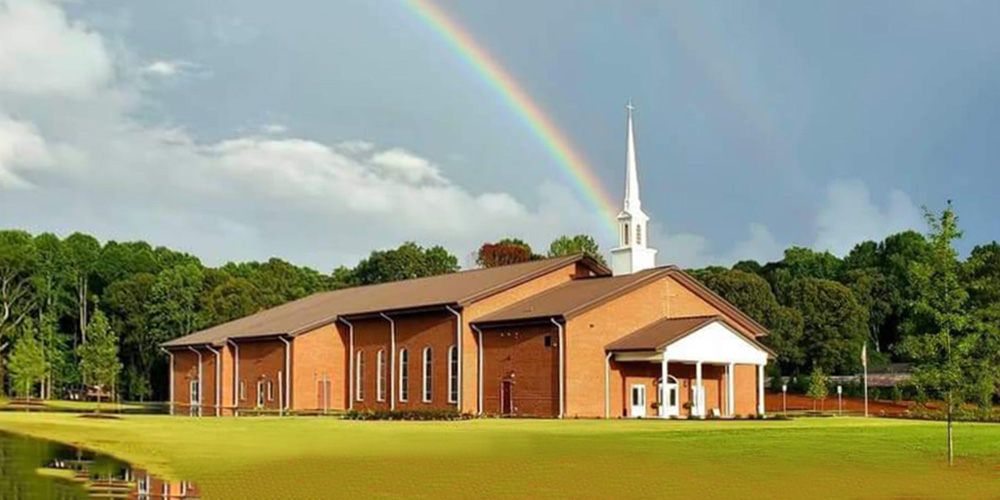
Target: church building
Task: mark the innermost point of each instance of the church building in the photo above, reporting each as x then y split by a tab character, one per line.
564	337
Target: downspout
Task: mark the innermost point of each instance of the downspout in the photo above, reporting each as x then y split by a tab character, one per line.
607	385
218	377
562	367
461	354
288	373
479	382
236	375
392	360
171	355
196	351
350	363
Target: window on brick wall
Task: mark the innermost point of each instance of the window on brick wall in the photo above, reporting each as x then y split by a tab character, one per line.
260	393
404	375
453	374
359	376
243	391
380	376
270	391
428	385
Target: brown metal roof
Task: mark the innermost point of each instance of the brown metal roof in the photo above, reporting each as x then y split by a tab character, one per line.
661	333
578	296
460	289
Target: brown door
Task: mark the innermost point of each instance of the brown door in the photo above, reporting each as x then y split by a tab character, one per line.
507	397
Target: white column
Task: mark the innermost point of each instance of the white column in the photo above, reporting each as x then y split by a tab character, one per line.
699	401
730	390
663	387
760	390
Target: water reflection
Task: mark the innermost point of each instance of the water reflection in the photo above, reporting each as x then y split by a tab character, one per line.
32	469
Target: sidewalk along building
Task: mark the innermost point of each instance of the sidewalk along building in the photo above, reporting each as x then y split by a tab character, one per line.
561	337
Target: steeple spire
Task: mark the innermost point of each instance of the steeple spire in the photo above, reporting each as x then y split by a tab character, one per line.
632	254
632	202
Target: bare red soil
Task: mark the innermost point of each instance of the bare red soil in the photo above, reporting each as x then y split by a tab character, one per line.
801	402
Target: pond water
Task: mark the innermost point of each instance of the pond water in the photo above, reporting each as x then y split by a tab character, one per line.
33	469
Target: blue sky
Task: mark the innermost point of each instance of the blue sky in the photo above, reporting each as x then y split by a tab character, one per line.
318	131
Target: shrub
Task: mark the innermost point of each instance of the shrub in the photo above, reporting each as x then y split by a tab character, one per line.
897	394
416	415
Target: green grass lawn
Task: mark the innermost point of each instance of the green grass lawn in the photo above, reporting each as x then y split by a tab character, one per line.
64	405
306	458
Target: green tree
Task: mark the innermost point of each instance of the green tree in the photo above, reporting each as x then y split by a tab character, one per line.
99	363
174	301
27	364
818	389
940	341
875	294
128	304
833	324
234	298
571	245
81	251
406	262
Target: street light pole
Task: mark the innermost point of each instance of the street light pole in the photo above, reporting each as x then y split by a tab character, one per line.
840	401
784	399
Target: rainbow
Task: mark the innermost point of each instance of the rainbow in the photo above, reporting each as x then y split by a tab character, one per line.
543	127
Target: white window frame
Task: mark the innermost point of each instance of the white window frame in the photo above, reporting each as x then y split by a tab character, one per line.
260	393
453	374
404	375
427	385
243	390
380	375
195	389
270	390
359	376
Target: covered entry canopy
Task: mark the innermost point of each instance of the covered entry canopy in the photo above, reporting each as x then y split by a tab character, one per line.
698	341
709	339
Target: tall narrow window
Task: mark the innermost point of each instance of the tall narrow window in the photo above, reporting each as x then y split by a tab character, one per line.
359	376
195	392
270	391
638	234
428	385
380	376
243	390
404	375
453	374
260	393
625	235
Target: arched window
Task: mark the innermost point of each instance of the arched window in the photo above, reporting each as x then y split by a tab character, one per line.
428	385
380	376
359	376
404	375
638	234
625	235
453	374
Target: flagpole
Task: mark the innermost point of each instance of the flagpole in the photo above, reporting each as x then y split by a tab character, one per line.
864	363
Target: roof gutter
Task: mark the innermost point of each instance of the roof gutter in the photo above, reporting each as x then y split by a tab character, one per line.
562	368
461	354
350	363
218	377
196	351
392	360
236	375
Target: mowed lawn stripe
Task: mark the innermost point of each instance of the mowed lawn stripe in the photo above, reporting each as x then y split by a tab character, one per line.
832	458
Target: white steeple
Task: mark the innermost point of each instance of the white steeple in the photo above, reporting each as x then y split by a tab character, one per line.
632	255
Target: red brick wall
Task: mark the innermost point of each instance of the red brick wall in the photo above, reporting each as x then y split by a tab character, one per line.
486	306
520	356
745	390
414	332
318	379
261	360
185	371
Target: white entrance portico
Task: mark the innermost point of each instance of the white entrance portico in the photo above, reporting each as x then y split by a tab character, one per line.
706	354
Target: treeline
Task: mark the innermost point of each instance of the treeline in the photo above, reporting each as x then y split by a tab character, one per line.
821	308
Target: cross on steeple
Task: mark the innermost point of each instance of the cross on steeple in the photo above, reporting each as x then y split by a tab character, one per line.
632	254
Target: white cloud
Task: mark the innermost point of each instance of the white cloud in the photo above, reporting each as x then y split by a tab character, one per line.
167	69
849	216
274	129
407	167
41	52
20	148
246	197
